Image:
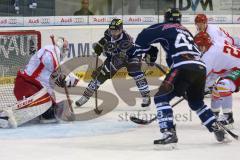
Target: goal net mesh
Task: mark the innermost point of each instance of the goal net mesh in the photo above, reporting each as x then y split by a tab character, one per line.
14	54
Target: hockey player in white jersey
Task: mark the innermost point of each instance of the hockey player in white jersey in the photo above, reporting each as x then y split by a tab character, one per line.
33	89
223	61
217	34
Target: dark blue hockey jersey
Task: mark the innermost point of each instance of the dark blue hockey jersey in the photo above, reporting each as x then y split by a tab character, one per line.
175	39
120	45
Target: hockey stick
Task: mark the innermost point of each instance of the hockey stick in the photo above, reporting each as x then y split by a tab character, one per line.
65	87
146	122
160	68
235	136
96	110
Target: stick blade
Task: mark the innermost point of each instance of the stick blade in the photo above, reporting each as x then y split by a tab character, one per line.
139	121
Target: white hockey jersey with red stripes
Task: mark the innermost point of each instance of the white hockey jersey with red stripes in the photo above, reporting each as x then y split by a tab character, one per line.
220	59
217	33
43	64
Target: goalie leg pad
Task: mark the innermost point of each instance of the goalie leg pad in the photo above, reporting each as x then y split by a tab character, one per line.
32	107
7	119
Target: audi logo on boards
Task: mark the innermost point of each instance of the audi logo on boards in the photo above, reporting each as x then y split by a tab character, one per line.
78	20
148	19
44	20
12	21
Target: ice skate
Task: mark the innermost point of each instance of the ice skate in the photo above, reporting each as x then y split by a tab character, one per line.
48	116
81	101
219	133
169	139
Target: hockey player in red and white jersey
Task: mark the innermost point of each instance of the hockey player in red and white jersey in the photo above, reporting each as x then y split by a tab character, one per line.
217	34
33	89
223	61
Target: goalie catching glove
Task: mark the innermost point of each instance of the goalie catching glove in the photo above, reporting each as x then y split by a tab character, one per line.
62	80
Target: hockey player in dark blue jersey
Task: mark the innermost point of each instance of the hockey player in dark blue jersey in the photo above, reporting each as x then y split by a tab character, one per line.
186	77
114	45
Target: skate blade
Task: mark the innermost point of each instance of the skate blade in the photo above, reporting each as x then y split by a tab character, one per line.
166	147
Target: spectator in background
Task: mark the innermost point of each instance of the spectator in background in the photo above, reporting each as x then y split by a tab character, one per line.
32	5
85	9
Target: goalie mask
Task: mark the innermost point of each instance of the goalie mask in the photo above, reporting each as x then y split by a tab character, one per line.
203	41
62	44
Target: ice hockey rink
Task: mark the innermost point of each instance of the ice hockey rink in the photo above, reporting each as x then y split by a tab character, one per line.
114	136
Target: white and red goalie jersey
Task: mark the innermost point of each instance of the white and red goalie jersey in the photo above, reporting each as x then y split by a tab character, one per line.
43	64
220	59
38	71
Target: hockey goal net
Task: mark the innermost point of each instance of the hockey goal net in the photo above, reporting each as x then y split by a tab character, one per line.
14	54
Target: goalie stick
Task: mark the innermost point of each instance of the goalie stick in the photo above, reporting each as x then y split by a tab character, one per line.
65	87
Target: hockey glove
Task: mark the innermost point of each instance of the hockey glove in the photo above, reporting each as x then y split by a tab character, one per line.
151	56
59	79
98	47
71	80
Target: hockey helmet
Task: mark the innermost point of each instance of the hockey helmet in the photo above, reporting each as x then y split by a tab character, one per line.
116	24
173	15
201	18
203	39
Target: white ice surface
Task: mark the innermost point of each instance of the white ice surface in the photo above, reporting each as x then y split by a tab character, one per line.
112	138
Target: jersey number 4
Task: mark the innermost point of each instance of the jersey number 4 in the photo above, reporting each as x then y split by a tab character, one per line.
183	40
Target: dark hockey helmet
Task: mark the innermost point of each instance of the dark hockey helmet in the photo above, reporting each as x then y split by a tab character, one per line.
116	24
173	15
